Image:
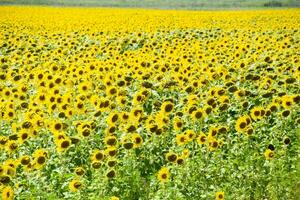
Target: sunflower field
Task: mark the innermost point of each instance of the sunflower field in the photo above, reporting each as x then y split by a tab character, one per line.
136	104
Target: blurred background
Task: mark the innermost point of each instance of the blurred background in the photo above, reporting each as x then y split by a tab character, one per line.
164	4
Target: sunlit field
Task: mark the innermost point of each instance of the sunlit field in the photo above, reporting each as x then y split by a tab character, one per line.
108	104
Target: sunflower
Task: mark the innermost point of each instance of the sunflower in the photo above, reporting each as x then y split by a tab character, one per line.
111	151
96	164
241	124
112	119
130	128
197	114
128	145
111	162
171	157
40	158
114	198
177	123
220	195
11	146
56	126
111	91
3	141
85	132
181	139
75	185
180	160
212	133
167	107
287	101
111	173
138	99
110	140
23	135
7	193
39	161
63	144
150	124
186	153
24	160
201	139
190	135
257	113
162	119
273	107
124	116
163	175
85	87
213	144
9	171
97	155
79	171
285	113
249	131
137	140
269	154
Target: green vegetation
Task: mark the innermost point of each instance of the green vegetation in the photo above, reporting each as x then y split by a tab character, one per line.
164	4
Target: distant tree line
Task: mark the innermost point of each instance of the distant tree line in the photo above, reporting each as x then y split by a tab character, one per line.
273	4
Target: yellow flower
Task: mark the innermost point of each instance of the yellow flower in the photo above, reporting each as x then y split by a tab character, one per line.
269	154
241	124
112	119
137	140
75	185
257	113
97	155
11	146
213	144
178	123
167	107
171	157
197	114
110	140
287	101
190	135
186	153
7	193
40	158
181	139
111	151
63	144
220	196
201	139
24	160
79	171
163	175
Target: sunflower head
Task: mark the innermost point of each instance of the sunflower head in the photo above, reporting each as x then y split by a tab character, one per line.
220	195
269	154
7	193
75	185
163	175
